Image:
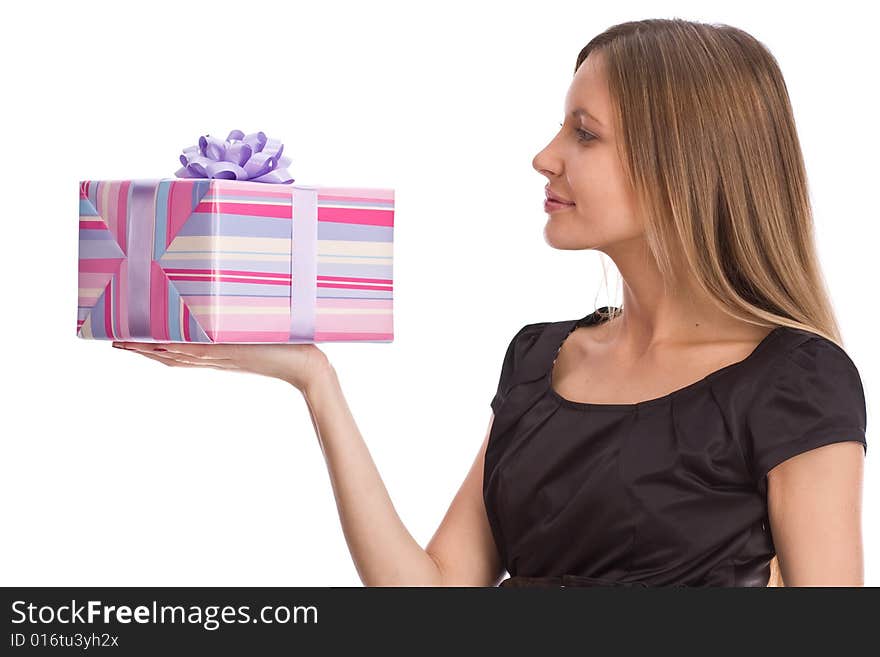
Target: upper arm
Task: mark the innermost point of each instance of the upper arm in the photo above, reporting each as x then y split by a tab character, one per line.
463	546
814	504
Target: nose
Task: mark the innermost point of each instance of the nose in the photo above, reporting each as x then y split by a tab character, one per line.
545	163
547	173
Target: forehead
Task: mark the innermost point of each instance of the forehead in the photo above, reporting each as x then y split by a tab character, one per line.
589	91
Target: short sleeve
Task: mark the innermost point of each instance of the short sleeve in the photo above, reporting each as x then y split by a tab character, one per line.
516	351
812	397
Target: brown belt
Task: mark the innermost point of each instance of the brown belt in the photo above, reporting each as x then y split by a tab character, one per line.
522	581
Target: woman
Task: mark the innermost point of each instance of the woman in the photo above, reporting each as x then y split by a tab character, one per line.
709	430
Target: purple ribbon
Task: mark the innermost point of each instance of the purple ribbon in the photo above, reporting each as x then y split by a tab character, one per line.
304	264
141	226
252	157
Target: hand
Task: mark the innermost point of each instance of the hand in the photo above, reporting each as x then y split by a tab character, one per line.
297	364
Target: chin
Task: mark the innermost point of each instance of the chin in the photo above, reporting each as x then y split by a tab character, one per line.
569	242
568	236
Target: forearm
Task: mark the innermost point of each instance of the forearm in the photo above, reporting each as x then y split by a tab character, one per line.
383	550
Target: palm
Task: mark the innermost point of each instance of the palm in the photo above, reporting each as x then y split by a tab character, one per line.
294	363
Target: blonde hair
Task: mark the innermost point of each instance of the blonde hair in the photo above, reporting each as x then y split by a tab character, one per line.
708	143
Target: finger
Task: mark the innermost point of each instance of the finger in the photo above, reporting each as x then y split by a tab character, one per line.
165	361
201	351
176	360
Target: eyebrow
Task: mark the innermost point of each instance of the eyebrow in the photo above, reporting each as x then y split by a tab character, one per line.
578	111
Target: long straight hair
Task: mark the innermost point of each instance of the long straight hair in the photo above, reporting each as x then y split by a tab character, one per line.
709	146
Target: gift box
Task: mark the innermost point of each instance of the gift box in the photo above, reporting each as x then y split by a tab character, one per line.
234	261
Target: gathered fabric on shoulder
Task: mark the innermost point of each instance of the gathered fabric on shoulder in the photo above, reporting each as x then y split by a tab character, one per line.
665	492
814	397
517	350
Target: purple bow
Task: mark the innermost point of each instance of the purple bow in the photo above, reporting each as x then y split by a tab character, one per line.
252	157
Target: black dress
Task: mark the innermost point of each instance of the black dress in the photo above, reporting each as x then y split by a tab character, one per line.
671	491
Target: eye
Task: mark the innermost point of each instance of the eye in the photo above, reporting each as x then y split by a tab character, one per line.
583	135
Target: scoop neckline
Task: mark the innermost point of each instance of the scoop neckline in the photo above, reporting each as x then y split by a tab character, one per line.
548	378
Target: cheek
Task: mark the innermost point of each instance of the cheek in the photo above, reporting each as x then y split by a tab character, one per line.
605	200
604	213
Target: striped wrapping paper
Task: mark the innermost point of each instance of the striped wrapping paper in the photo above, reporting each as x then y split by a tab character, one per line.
209	260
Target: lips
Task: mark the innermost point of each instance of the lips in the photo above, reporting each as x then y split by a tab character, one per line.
554	197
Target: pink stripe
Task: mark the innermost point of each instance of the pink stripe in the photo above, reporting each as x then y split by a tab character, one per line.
276	275
122	302
185	315
356	216
229	279
106	201
356	287
103	265
267	210
103	205
179	208
273	281
108	307
92	224
121	217
158	302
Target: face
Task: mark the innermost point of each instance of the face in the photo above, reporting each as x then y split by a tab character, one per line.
582	165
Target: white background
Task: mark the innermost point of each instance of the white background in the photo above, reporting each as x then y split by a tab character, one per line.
117	470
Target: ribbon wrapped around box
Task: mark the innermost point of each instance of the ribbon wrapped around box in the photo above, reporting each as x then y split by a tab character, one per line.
201	258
